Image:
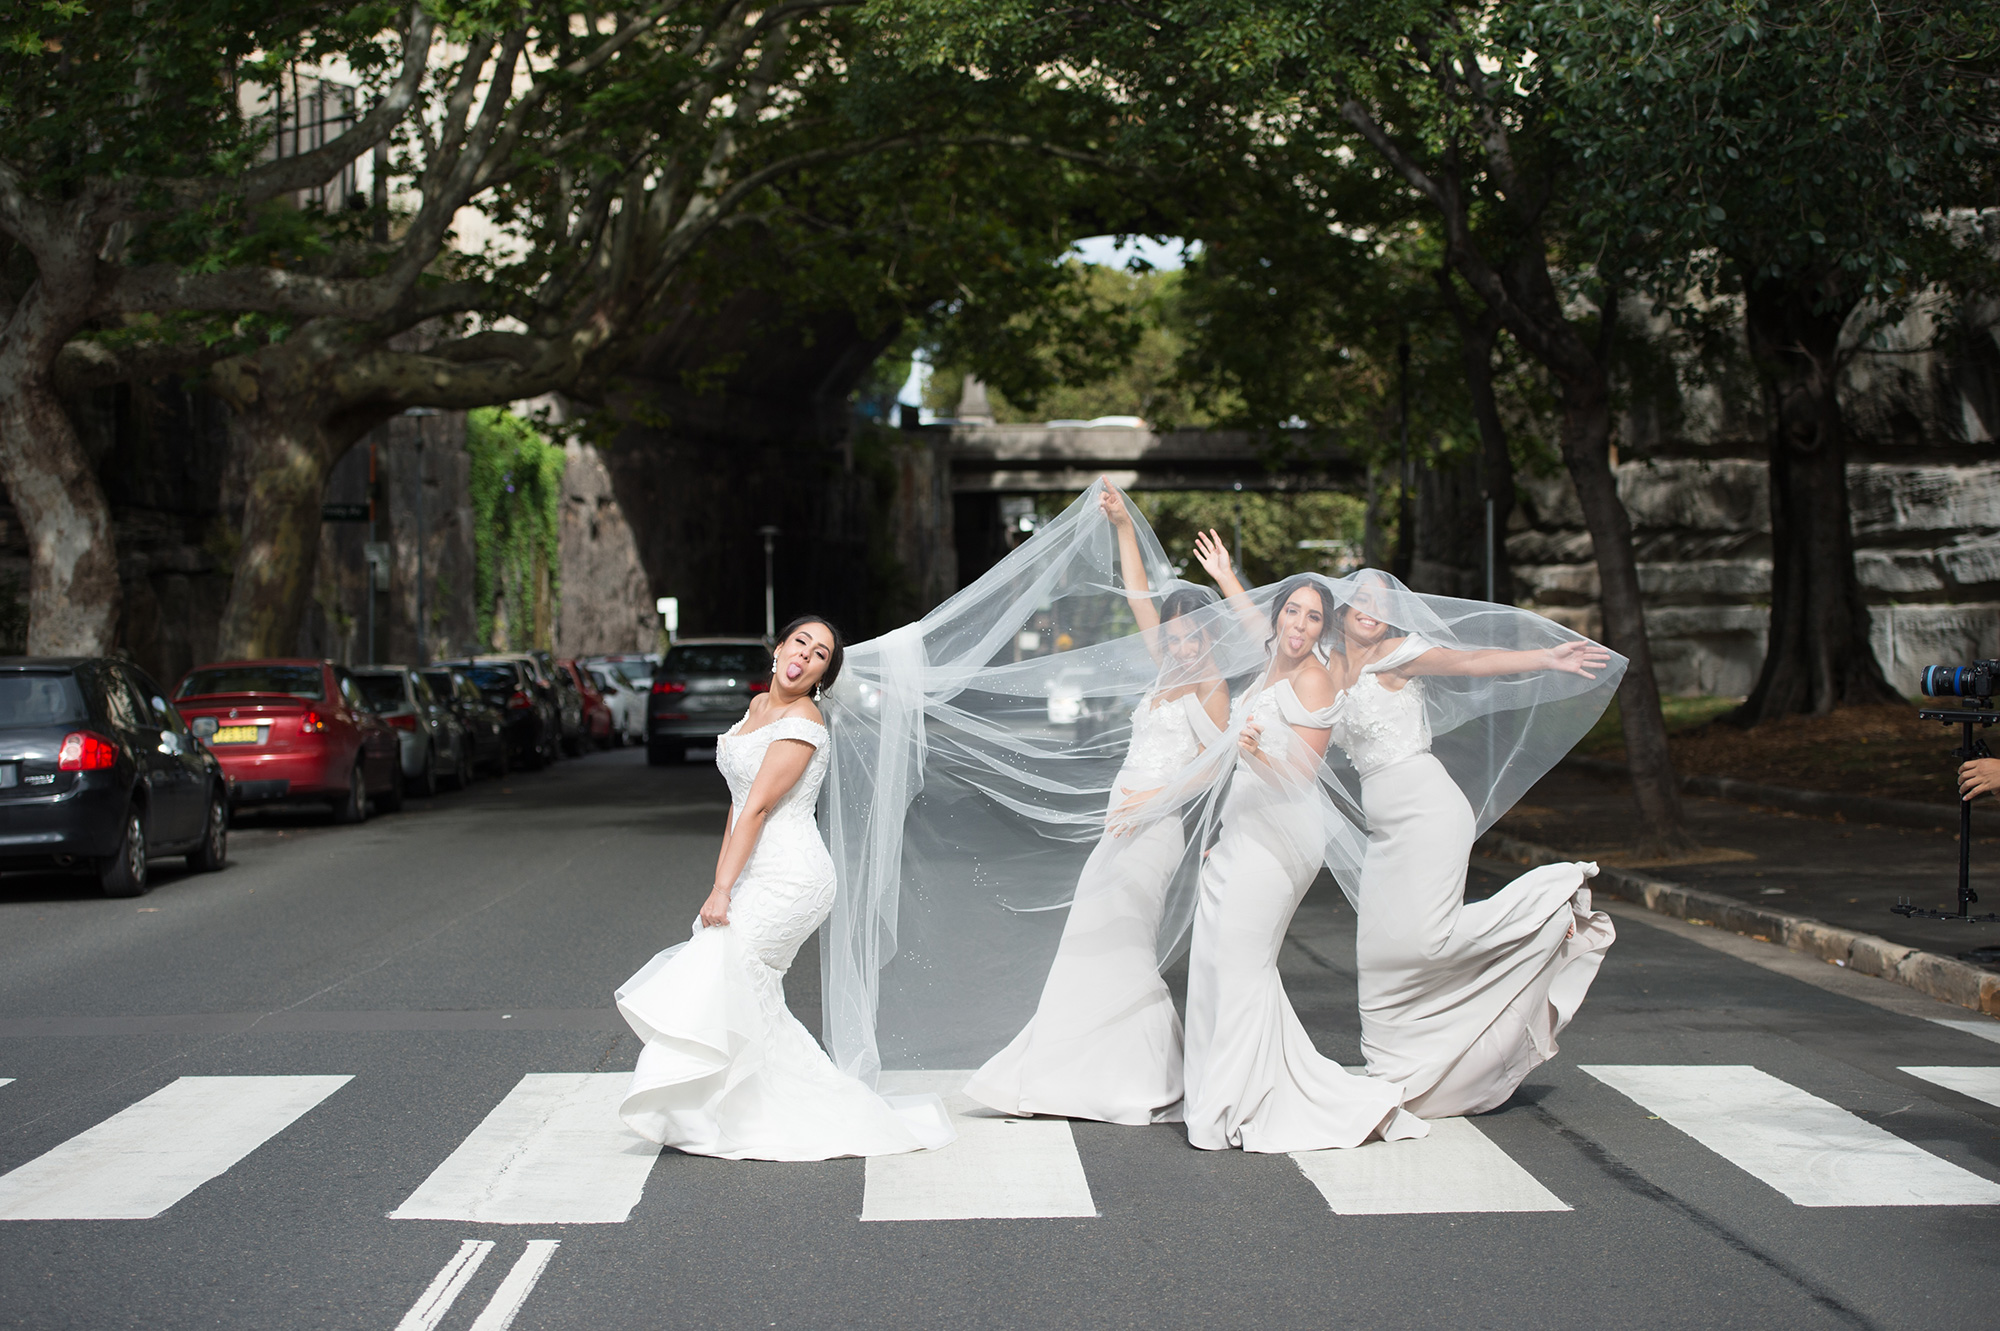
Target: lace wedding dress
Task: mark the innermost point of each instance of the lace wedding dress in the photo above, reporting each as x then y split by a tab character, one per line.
1459	999
1254	1079
726	1069
1105	1041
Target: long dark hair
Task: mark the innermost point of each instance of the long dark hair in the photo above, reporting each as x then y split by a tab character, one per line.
1185	601
834	658
1285	590
1367	577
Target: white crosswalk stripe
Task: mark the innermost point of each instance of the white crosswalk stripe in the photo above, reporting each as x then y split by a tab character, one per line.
1979	1083
552	1153
143	1159
1457	1168
999	1168
1813	1152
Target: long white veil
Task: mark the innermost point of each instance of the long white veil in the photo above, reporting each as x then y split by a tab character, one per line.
976	752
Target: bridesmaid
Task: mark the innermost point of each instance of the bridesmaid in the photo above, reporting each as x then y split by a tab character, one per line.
1254	1079
1105	1041
1459	1000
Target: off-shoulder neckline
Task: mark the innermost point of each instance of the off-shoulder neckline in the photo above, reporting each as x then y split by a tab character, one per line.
739	732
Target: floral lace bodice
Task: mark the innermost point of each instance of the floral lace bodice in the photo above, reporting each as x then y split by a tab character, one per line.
1376	725
791	823
1164	738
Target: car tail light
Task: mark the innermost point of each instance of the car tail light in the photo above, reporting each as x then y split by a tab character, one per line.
519	702
404	721
312	723
84	752
669	686
760	686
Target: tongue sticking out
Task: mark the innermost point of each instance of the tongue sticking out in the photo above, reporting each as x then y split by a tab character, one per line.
794	670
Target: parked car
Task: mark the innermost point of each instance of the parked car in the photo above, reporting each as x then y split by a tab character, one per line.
293	730
430	741
569	708
627	702
533	729
99	773
635	668
596	712
701	687
484	724
562	710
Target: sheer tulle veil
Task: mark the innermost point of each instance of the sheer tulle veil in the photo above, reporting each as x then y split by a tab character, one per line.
976	754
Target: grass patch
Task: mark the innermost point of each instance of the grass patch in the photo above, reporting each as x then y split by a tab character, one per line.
1607	738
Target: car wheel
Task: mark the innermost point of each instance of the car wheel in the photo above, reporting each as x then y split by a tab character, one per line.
213	852
665	755
391	799
424	784
123	872
353	808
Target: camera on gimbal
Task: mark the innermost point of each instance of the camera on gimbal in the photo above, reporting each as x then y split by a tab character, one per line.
1974	685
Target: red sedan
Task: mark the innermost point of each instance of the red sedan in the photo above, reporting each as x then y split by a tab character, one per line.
598	725
293	730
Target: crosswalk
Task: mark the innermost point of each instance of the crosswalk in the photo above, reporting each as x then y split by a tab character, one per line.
552	1151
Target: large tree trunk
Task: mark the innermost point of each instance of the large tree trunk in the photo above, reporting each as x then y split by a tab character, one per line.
1496	461
1819	656
285	458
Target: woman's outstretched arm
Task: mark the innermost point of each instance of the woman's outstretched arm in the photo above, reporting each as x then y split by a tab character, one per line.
1213	555
1138	591
784	763
1574	658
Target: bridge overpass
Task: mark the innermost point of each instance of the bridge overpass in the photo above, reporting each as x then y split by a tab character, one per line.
1042	459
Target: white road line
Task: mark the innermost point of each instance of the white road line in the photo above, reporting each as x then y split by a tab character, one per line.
1985	1028
1457	1168
1813	1152
552	1153
999	1168
143	1159
435	1302
505	1305
6	1081
1979	1083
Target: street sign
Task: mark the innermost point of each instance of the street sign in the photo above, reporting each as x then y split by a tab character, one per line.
670	612
343	512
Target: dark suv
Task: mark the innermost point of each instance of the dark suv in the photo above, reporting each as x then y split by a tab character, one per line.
99	772
534	726
700	689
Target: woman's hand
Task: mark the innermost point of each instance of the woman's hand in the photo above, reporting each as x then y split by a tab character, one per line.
1112	505
715	910
1212	554
1979	777
1578	658
1130	812
1247	741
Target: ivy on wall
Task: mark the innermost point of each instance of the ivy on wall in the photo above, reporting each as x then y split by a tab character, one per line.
516	515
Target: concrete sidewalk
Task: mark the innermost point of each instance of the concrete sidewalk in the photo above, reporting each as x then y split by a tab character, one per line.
1777	864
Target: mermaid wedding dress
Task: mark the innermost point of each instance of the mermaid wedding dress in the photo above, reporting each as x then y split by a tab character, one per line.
1459	999
1105	1041
726	1069
1254	1079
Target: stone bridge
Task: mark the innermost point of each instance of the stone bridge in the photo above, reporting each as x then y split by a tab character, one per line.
1043	459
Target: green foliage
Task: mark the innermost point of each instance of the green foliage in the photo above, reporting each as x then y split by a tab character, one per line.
1273	525
516	485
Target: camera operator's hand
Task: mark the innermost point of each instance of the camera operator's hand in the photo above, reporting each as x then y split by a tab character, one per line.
1979	777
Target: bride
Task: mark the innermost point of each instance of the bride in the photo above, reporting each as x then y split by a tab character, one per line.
1459	1000
1254	1079
726	1069
1105	1041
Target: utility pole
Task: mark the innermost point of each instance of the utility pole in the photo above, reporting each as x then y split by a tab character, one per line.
423	647
770	601
1239	529
1406	536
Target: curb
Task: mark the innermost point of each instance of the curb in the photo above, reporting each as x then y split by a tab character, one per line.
1860	808
1944	978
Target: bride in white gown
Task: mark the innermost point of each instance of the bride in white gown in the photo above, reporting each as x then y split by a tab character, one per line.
1105	1041
1459	1000
726	1069
1254	1079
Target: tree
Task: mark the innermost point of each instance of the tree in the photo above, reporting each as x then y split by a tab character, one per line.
1817	160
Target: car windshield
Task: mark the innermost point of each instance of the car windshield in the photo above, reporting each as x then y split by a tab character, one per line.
716	659
40	700
636	673
440	682
299	681
487	678
383	692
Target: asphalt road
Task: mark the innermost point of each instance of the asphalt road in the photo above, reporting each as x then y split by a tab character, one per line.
437	958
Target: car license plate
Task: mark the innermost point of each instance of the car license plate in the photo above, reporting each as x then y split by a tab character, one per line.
10	775
235	735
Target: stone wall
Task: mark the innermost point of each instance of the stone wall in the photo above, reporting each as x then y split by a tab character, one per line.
607	605
1924	485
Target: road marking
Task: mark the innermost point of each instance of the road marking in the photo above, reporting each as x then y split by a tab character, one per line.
435	1302
999	1168
1814	1152
1985	1029
6	1081
1457	1168
143	1159
506	1302
1979	1083
552	1153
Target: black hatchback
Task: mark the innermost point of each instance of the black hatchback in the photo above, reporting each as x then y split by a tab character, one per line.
98	772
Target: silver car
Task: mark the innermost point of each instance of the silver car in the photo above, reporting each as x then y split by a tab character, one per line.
627	702
429	739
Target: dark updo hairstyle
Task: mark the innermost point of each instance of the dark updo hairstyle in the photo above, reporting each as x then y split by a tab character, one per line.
1185	601
834	659
1285	591
1367	577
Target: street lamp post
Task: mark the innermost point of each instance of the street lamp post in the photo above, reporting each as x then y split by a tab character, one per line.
1239	529
769	533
